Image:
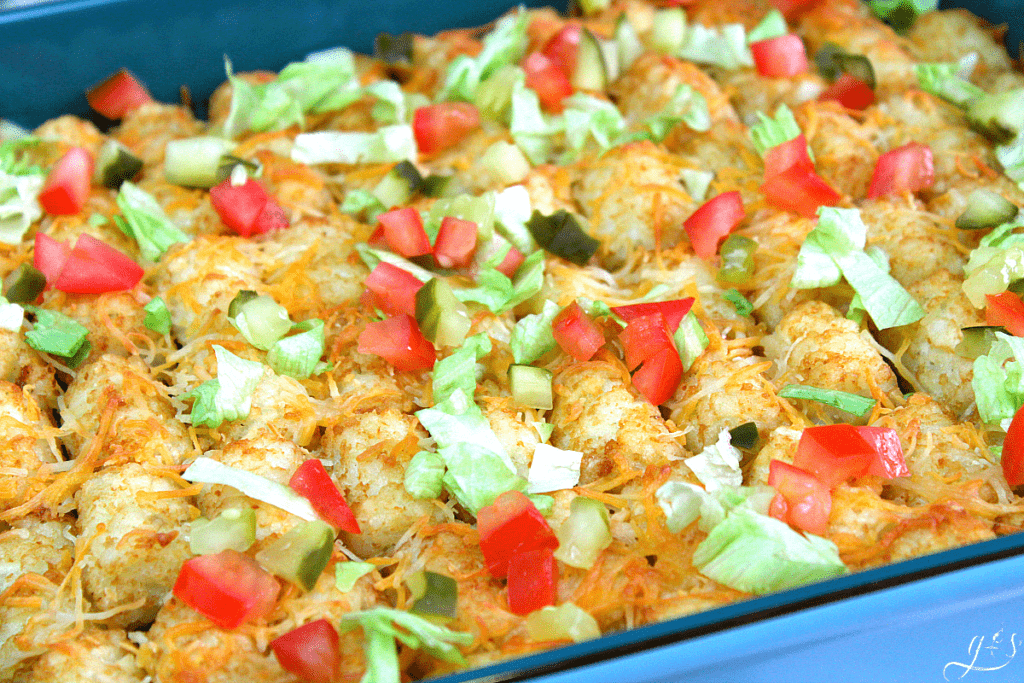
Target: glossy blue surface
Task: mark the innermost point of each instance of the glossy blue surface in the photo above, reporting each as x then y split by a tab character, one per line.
938	627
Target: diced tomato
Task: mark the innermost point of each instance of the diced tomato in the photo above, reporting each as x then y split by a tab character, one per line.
312	652
780	57
789	154
713	221
659	376
548	80
404	232
1007	310
576	333
799	189
644	337
394	289
563	47
850	92
834	453
890	462
532	580
673	311
438	127
312	482
511	525
94	267
67	187
247	208
398	340
510	264
118	95
905	169
455	243
49	257
1013	450
790	8
228	588
802	500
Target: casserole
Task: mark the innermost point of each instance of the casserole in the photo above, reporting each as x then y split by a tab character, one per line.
165	45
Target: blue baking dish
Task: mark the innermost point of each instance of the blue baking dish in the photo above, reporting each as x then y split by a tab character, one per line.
954	615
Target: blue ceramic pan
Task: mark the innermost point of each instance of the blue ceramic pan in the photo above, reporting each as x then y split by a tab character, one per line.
953	616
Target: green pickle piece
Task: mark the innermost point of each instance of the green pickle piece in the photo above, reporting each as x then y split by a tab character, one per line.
977	341
442	318
301	555
24	284
232	529
737	259
531	386
435	596
744	436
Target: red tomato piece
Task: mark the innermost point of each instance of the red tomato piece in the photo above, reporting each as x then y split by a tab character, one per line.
1013	450
799	189
398	340
889	462
643	337
271	217
803	500
790	8
576	333
563	47
404	232
312	482
239	206
548	80
510	264
49	257
394	289
376	238
713	221
511	525
905	169
850	92
789	154
455	243
1007	310
94	267
118	95
438	127
673	311
228	588
67	187
780	57
659	376
312	652
532	580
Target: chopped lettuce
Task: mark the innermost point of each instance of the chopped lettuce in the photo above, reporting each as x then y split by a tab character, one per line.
503	46
724	46
386	144
347	573
372	256
500	293
718	465
998	380
758	554
144	221
528	125
843	400
687	106
298	355
458	371
158	317
739	302
772	131
229	396
836	246
532	337
512	209
424	475
19	204
946	80
1011	158
587	118
553	469
683	502
209	471
690	340
362	204
477	475
772	25
383	626
901	13
697	183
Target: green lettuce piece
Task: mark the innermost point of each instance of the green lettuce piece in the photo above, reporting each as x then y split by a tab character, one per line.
362	204
464	424
724	46
772	26
383	626
697	183
843	400
476	475
55	333
503	46
19	204
479	209
229	396
390	106
742	306
512	209
528	126
901	13
493	97
772	131
424	475
1011	158
372	256
758	554
298	356
690	340
145	222
884	299
998	380
347	573
12	158
587	118
856	310
499	293
531	337
718	465
686	105
457	372
386	144
944	79
683	503
158	318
